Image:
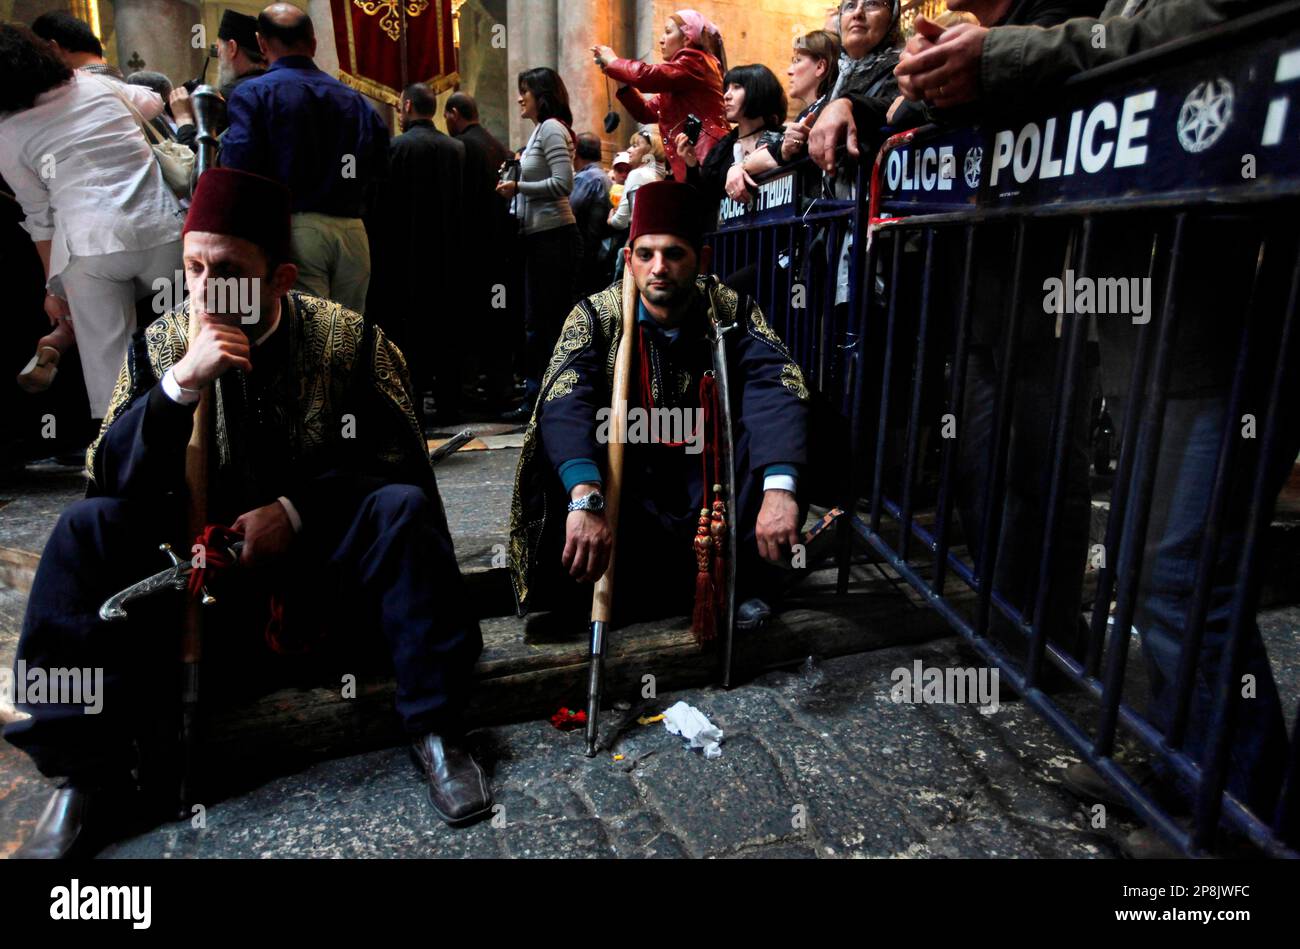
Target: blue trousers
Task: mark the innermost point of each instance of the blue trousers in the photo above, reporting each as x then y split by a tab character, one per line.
386	564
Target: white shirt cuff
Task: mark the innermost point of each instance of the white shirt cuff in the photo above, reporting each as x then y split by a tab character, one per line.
173	390
292	511
779	482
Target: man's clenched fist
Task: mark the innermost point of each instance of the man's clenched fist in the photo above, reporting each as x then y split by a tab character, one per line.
216	348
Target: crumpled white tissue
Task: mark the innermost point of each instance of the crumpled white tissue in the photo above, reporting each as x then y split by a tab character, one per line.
689	722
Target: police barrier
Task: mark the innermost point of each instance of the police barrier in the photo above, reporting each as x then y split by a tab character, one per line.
1135	237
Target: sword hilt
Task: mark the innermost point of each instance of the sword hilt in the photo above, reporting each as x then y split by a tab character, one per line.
207	599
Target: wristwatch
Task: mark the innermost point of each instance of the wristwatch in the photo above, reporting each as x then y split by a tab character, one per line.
593	501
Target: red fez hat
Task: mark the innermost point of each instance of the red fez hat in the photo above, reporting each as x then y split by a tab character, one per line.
241	204
667	207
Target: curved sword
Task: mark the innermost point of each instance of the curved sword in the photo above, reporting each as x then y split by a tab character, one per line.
175	577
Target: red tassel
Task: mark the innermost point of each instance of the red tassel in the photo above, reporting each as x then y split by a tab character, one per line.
718	538
703	620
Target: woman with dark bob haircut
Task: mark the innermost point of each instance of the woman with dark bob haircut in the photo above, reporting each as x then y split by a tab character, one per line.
754	101
104	222
551	240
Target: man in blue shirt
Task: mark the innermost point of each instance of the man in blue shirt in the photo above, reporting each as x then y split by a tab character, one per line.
590	201
304	128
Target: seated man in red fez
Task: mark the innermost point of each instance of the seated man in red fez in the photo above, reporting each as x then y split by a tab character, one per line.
316	459
559	537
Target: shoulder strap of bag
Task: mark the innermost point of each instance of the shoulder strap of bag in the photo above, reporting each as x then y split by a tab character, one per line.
151	133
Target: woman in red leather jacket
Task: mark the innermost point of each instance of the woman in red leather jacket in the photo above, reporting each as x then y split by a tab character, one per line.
689	82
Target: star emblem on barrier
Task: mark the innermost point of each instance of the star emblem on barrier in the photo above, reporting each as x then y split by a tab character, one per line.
1206	113
971	167
390	21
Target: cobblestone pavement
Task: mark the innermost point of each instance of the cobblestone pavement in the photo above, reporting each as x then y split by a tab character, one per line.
815	763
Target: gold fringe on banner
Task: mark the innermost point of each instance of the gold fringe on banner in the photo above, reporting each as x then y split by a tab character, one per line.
368	87
384	94
439	85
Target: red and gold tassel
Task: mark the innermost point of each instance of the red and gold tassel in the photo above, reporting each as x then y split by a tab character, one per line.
703	620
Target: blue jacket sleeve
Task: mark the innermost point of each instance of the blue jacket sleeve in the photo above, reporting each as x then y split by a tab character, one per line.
774	402
568	419
143	451
244	144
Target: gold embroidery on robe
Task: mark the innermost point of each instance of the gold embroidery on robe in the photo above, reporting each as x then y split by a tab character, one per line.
563	385
792	379
325	344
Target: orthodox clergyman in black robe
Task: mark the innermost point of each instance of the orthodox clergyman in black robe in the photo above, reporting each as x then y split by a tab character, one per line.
557	533
316	459
417	228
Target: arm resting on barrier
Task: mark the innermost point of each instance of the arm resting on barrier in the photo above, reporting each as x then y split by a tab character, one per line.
1021	62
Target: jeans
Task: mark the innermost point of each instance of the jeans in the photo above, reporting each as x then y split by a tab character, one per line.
1184	482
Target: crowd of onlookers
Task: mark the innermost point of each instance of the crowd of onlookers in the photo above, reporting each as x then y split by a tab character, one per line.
519	235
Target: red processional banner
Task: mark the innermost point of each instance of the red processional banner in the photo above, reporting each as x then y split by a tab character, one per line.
385	45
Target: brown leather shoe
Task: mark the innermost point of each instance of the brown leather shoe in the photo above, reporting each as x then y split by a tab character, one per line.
63	831
458	788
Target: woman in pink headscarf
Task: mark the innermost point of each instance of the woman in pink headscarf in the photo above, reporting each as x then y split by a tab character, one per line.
689	82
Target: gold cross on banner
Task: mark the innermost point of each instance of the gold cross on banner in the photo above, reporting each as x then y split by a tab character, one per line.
390	21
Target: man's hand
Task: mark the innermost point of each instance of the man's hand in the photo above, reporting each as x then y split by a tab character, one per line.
182	107
778	524
796	137
685	150
739	183
216	348
56	308
835	126
587	541
268	532
926	34
947	73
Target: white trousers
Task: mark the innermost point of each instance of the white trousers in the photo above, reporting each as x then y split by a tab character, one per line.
101	291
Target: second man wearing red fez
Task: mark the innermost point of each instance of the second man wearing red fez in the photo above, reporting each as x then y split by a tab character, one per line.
559	541
317	460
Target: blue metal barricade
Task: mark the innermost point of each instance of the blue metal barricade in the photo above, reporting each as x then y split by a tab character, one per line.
1132	236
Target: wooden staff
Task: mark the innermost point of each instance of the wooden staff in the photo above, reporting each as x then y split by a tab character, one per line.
209	114
602	601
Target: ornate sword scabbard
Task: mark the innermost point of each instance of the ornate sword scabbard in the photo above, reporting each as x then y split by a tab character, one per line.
719	331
